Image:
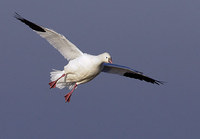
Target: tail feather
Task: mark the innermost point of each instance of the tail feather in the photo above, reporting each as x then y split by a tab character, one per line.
61	83
55	74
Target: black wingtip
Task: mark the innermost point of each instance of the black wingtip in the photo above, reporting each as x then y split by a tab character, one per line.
158	82
30	24
143	77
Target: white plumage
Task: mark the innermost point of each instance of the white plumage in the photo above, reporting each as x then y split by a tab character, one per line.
82	67
58	41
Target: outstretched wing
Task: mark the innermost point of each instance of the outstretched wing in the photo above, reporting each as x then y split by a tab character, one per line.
127	72
64	46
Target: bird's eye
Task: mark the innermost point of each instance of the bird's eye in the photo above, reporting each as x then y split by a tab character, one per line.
106	57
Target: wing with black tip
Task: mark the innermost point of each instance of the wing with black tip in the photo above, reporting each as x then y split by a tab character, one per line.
127	72
58	41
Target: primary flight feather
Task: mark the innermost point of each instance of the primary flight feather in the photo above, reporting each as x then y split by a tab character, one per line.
82	67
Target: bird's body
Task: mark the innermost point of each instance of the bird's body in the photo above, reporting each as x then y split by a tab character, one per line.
81	67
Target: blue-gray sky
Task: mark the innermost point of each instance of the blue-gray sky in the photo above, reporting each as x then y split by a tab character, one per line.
157	37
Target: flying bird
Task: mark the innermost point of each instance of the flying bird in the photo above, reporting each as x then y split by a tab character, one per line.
81	67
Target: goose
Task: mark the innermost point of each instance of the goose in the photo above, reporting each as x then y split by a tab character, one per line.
81	67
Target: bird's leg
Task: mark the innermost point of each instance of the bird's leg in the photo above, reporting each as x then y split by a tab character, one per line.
53	83
68	96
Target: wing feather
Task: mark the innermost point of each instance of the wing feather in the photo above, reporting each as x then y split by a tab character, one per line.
58	41
128	72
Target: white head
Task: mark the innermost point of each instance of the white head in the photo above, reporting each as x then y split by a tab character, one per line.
106	57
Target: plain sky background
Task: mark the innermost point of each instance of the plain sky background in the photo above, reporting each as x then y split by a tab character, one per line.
158	37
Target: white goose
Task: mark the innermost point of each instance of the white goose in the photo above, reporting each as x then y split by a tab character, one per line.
82	67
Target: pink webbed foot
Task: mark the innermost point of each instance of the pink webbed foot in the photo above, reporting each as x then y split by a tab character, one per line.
68	96
53	83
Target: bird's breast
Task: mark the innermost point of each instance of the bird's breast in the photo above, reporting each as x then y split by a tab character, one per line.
81	72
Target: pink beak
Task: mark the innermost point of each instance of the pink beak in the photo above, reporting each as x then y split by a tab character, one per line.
110	61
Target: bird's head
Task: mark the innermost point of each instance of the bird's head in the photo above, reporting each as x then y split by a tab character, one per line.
106	58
